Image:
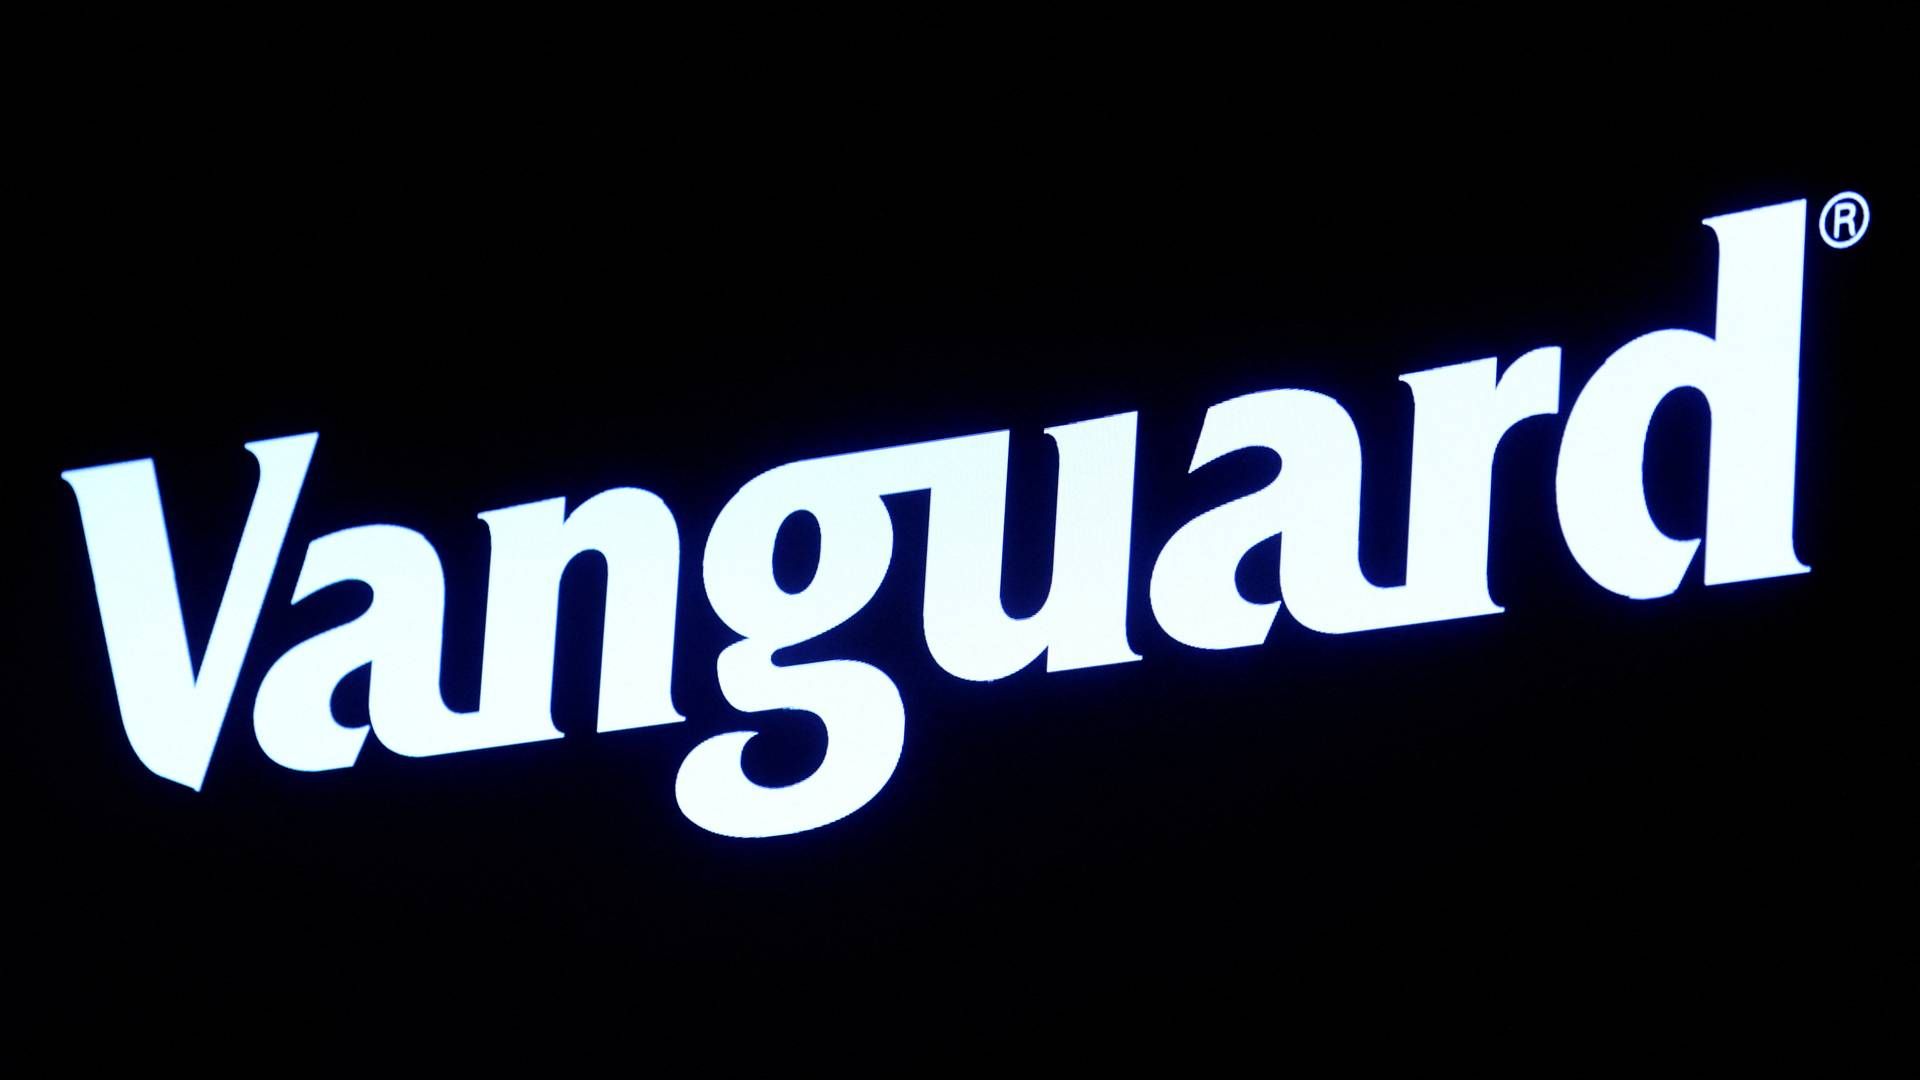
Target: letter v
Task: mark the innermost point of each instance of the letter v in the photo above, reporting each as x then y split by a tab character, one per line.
173	715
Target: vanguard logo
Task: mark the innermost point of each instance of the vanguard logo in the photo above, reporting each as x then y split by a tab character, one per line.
1748	371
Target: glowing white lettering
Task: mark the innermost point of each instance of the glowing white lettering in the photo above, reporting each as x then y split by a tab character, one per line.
1748	372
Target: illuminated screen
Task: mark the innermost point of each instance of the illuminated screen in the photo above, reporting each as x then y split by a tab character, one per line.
1115	584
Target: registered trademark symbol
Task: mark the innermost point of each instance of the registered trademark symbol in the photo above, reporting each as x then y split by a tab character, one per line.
1843	221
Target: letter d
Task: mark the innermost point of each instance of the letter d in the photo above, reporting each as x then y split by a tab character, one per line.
1749	372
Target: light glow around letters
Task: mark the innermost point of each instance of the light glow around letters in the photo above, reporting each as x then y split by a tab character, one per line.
1748	371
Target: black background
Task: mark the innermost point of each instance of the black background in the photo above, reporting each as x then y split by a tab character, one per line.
1682	800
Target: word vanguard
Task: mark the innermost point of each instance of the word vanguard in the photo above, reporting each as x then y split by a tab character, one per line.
1748	372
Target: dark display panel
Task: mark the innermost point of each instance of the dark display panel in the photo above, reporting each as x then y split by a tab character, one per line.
1583	791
